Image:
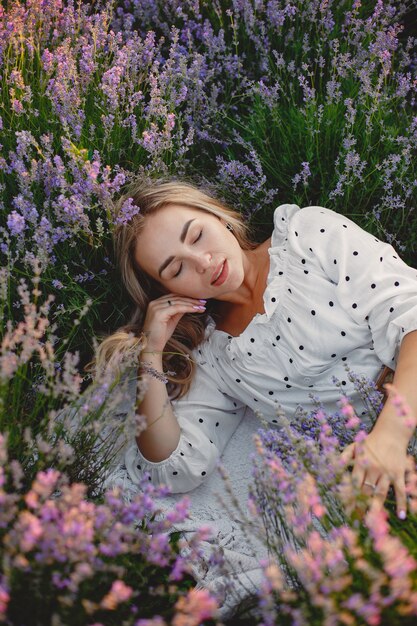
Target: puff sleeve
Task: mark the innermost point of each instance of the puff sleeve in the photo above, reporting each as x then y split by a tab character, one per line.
373	284
207	417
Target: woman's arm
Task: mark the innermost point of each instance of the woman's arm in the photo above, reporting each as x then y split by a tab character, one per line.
162	433
381	460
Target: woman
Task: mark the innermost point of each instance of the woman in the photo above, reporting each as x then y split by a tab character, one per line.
260	326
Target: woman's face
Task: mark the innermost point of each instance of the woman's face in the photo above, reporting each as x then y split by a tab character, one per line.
184	249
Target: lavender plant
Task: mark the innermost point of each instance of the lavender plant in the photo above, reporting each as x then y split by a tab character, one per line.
334	559
76	562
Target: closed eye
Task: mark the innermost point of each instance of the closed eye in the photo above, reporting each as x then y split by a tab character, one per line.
195	241
178	273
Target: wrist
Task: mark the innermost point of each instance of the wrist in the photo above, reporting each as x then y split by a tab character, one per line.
394	429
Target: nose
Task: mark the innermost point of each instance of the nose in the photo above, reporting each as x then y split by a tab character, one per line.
203	262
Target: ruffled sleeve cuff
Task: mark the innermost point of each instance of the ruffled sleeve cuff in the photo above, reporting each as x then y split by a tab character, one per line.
194	459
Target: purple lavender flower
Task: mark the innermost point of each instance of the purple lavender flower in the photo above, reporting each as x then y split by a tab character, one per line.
16	223
127	211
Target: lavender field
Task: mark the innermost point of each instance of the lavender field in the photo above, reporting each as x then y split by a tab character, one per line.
264	102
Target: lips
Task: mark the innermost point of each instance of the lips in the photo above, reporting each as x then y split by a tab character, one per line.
217	272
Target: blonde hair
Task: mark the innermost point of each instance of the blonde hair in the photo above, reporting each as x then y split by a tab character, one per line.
150	197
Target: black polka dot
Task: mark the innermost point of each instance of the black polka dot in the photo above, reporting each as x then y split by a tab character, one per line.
396	283
296	234
322	230
290	360
203	473
201	420
312	312
311	249
249	353
334	261
174	473
285	378
252	340
354	305
139	466
331	303
381	258
273	299
280	273
333	355
303	261
373	286
305	271
271	393
289	320
347	278
283	219
255	400
288	386
275	421
344	225
149	478
343	382
217	423
274	344
391	309
278	337
355	253
343	333
238	380
394	257
301	347
344	358
234	404
191	444
289	290
210	442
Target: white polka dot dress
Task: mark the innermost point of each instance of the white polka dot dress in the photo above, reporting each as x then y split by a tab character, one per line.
336	297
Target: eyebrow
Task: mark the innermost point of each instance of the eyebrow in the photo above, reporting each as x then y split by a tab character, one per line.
182	239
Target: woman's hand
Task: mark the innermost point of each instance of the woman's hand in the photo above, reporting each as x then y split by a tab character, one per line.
163	315
379	461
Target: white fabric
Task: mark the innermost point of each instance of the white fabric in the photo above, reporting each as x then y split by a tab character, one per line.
237	582
336	296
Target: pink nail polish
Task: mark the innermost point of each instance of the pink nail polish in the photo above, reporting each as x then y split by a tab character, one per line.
199	308
402	514
203	301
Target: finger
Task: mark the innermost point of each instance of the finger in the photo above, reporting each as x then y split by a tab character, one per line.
174	297
370	483
401	498
348	454
358	475
176	307
380	493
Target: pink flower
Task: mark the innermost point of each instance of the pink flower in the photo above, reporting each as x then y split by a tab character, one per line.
196	606
30	531
118	593
4	600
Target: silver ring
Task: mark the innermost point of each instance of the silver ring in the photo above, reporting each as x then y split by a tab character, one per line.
169	302
370	485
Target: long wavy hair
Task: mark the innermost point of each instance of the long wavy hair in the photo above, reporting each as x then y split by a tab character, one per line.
150	197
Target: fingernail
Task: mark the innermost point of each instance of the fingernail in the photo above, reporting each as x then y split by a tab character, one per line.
402	514
202	300
200	308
